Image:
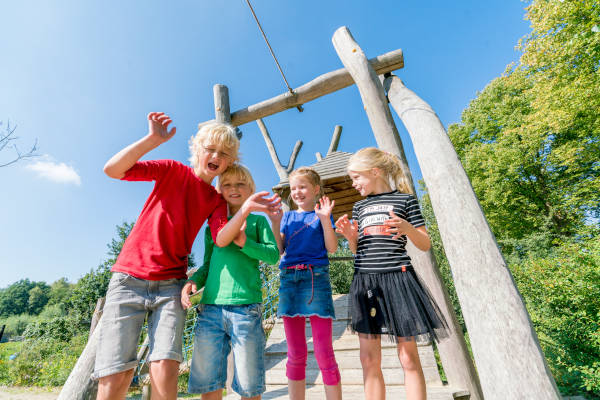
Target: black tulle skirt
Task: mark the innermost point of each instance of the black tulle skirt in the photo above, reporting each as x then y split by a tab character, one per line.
395	304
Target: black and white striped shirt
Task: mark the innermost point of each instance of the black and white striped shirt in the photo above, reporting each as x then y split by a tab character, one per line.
376	250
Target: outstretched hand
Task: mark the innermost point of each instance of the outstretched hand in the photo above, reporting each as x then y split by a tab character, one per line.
188	288
346	227
158	124
259	202
324	207
398	226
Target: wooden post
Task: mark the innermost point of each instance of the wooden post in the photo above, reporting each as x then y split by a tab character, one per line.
507	353
335	139
97	314
318	156
282	171
457	363
221	94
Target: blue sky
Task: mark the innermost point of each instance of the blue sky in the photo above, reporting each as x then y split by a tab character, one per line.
80	78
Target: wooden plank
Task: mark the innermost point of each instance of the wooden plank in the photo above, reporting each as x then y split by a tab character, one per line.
493	309
318	87
356	392
343	193
455	357
348	200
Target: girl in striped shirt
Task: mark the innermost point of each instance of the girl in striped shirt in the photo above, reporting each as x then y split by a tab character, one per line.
386	295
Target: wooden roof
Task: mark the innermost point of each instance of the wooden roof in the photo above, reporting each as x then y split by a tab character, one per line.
337	185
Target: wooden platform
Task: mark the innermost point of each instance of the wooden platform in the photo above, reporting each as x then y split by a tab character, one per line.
346	349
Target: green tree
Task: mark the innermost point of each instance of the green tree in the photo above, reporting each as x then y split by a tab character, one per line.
59	292
530	140
38	298
14	299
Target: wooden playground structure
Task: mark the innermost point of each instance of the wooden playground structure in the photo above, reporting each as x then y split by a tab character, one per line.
508	362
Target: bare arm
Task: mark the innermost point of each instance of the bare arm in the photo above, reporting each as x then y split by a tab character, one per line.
258	202
420	238
349	229
276	227
121	162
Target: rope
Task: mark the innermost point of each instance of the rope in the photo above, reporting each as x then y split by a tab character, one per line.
299	107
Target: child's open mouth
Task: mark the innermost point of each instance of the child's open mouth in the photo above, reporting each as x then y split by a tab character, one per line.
213	166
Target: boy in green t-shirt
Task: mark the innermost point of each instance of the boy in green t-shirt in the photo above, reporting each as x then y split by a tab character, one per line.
231	313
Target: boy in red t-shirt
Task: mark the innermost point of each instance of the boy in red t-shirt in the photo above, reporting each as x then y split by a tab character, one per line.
151	270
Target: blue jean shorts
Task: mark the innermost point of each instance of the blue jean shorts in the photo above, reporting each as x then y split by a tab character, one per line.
305	292
128	300
220	329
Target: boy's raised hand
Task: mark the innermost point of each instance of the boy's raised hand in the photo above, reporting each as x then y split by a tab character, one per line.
259	202
346	227
324	207
188	288
158	124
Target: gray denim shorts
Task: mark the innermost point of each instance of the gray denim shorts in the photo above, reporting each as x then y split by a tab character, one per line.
128	300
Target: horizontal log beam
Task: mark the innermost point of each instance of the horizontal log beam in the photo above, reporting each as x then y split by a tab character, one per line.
318	87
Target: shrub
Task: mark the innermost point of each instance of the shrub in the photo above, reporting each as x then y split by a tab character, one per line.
44	362
16	324
562	295
61	328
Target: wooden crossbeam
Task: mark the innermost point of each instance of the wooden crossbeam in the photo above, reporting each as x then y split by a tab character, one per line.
318	87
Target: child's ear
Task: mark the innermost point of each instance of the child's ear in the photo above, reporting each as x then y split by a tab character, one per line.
317	190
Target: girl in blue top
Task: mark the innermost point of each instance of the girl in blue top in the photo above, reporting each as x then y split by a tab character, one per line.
304	236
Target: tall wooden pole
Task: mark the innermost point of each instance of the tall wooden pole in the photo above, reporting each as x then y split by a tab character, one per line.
507	353
453	351
222	114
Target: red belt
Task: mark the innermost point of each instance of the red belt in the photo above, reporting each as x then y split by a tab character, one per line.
312	277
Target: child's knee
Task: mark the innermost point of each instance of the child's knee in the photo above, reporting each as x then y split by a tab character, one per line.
370	359
409	361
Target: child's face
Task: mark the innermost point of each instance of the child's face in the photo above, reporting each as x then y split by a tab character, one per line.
213	160
235	191
364	181
303	192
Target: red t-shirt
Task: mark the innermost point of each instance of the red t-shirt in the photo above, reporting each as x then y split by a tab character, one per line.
162	237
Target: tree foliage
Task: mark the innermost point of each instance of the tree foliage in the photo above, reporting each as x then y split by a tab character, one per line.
530	140
23	296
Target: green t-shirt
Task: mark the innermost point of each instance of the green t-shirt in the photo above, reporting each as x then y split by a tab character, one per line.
230	274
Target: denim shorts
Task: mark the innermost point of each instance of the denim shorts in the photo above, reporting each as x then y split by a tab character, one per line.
219	329
128	300
303	292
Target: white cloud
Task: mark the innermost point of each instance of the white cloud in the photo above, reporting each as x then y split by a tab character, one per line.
54	171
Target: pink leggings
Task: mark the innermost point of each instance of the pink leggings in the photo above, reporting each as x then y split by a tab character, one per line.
297	351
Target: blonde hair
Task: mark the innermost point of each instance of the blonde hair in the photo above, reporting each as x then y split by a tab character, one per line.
311	176
216	133
237	171
371	157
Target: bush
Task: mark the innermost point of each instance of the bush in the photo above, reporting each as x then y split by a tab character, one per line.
341	272
562	295
42	362
61	328
52	311
16	325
